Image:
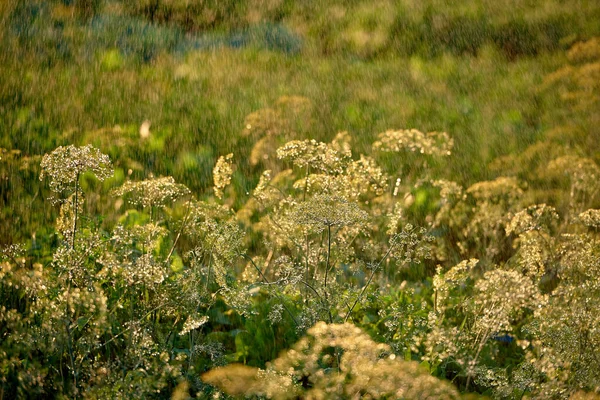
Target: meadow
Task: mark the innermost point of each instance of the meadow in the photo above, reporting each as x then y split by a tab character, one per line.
278	199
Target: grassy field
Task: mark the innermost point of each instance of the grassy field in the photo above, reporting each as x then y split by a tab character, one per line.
194	265
64	79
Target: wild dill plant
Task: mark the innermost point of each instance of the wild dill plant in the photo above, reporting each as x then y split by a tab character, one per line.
64	166
74	307
323	223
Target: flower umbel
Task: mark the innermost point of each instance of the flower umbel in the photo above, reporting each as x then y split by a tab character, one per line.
326	210
65	164
431	143
153	192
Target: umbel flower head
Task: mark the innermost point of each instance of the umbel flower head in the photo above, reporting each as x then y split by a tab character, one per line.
317	155
539	217
431	143
153	192
65	164
329	211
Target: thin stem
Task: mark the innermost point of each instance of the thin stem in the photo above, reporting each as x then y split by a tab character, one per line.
369	281
267	262
282	229
326	272
210	257
318	254
312	288
306	182
328	255
484	340
171	331
187	214
268	283
546	243
70	336
131	326
75	211
190	333
348	244
67	318
306	255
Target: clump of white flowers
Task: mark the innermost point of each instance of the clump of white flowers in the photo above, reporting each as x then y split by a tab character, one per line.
313	154
193	322
590	218
328	211
64	165
413	140
533	218
153	192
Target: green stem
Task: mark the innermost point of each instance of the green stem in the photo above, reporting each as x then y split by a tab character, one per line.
484	339
70	338
306	272
187	213
67	318
75	211
328	255
130	326
306	183
191	333
210	257
309	286
326	273
369	281
268	283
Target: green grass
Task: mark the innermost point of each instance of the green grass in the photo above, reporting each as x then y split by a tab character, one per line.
204	97
65	80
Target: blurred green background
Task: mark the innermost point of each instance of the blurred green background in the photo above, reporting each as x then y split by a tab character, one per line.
201	72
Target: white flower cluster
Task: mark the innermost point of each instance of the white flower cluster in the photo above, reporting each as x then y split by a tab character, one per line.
153	192
431	143
193	322
65	164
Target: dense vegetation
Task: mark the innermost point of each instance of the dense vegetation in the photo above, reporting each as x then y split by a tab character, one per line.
220	198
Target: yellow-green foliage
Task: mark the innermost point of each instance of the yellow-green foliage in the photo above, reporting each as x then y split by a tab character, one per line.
148	278
562	155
